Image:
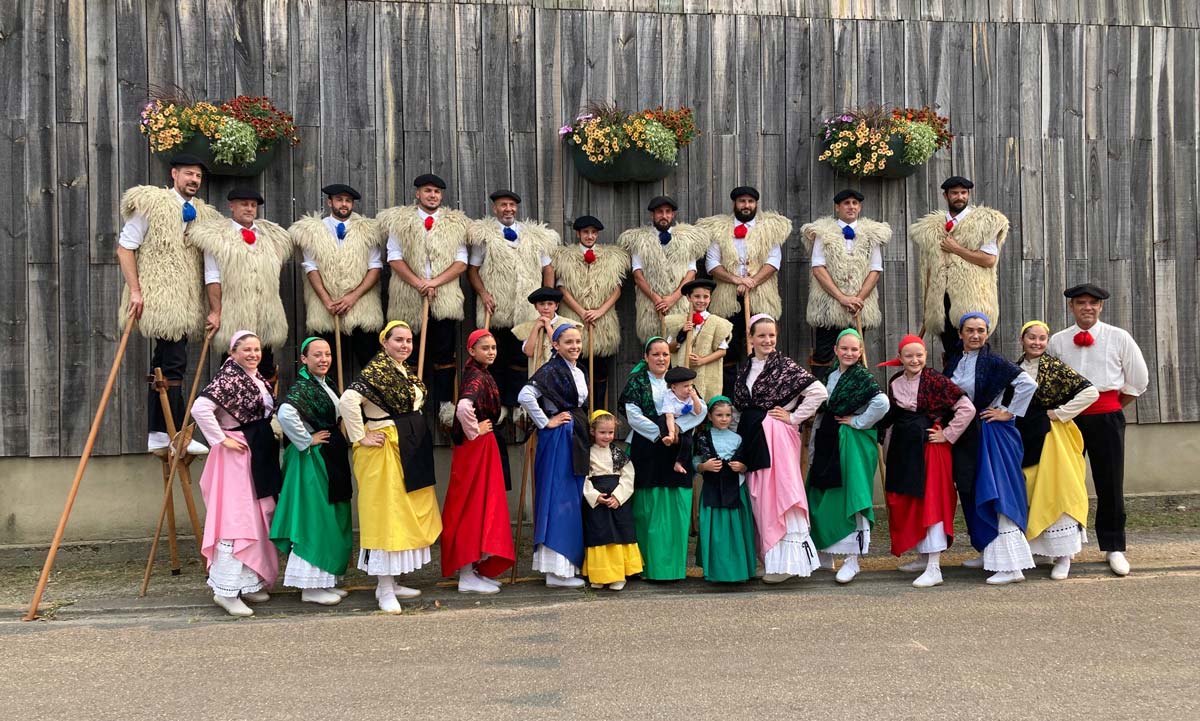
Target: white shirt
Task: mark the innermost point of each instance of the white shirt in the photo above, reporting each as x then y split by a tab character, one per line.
134	230
990	247
675	405
1024	386
1071	408
479	252
374	256
1113	362
712	258
818	250
394	252
212	270
636	260
529	395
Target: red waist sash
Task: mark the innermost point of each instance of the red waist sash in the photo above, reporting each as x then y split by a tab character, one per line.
1108	402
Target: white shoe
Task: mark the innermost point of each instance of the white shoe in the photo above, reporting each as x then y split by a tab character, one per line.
196	448
340	592
319	596
597	586
1118	563
446	414
388	603
406	592
555	581
776	577
616	586
470	582
491	581
848	570
976	562
826	561
233	606
157	440
916	565
1003	578
256	597
932	577
1062	568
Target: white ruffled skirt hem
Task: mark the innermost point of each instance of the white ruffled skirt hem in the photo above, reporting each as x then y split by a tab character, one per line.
546	560
1064	537
228	577
794	554
857	543
392	563
1009	551
302	574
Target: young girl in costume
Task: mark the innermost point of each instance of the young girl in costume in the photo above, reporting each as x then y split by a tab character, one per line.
608	530
841	480
725	547
556	399
477	538
928	413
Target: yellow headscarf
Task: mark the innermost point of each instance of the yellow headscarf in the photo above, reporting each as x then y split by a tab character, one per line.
387	328
1032	323
600	413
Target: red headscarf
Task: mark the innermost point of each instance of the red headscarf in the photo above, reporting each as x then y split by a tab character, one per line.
906	340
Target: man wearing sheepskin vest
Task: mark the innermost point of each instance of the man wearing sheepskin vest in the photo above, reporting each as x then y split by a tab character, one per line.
427	251
590	277
959	251
847	261
342	263
744	255
163	290
663	257
243	257
509	260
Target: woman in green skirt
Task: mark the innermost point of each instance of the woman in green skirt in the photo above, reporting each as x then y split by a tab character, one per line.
845	452
725	548
312	519
662	500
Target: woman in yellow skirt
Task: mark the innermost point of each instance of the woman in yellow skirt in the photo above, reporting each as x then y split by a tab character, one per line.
1053	463
393	461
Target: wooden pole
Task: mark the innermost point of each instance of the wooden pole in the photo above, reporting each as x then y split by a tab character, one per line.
878	456
662	326
687	349
424	334
591	373
83	461
527	465
337	342
746	314
179	442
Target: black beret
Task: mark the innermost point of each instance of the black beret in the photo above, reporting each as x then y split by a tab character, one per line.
847	194
246	194
504	194
698	283
542	294
338	188
679	374
660	200
429	179
186	159
587	221
743	190
1087	289
957	181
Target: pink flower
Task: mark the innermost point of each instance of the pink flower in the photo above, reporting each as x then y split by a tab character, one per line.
565	130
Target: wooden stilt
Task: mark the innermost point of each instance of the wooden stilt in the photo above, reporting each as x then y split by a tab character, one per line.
747	314
865	362
337	341
424	334
591	374
83	461
526	466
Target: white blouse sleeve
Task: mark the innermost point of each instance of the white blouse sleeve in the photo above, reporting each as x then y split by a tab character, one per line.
293	427
528	400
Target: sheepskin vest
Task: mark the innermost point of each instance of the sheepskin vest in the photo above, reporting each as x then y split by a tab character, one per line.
849	270
511	273
770	229
591	285
250	297
663	266
170	272
342	268
709	377
970	287
421	247
522	331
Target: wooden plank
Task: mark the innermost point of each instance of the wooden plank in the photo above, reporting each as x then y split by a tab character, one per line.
724	65
749	97
192	60
14	238
468	65
44	389
625	67
701	189
551	115
670	48
102	112
334	100
248	48
799	148
441	97
70	60
161	27
40	146
1186	297
497	168
1138	314
360	65
219	27
392	183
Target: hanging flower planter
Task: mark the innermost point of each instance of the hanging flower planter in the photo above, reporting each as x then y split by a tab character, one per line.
609	145
877	142
239	139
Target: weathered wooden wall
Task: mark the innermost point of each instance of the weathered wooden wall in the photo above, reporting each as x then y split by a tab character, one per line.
1077	119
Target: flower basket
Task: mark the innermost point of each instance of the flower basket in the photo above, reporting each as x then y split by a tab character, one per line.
239	138
877	142
609	145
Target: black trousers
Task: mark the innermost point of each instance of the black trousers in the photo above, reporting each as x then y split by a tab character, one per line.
359	344
171	356
948	334
511	368
1104	445
600	383
824	341
737	348
440	360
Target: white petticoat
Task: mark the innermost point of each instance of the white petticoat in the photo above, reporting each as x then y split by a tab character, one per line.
391	563
1009	551
302	574
794	554
228	576
857	543
546	560
1064	537
935	540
